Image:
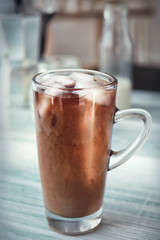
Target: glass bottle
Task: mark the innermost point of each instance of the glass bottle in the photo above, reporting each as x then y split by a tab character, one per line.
115	50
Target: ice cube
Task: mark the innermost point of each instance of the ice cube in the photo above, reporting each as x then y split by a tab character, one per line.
62	81
83	80
101	81
100	96
56	83
94	88
65	81
44	107
49	82
54	90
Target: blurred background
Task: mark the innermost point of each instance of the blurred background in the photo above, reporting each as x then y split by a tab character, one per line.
38	35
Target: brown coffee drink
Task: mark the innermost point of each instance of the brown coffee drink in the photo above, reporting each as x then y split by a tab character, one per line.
74	116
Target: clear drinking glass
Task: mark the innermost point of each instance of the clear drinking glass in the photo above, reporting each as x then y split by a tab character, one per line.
22	32
74	113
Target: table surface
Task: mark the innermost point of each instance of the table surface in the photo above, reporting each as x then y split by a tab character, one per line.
132	196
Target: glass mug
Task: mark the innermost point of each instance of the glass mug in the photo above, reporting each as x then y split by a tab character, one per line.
74	114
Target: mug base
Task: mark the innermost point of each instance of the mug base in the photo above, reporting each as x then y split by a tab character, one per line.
74	226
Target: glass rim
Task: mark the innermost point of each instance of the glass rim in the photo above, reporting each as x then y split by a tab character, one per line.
112	81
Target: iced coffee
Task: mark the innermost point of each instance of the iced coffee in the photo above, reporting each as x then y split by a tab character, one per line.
74	114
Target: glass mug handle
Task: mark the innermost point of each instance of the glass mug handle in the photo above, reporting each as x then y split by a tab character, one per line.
124	154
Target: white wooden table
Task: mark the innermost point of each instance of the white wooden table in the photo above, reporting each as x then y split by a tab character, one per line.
132	197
